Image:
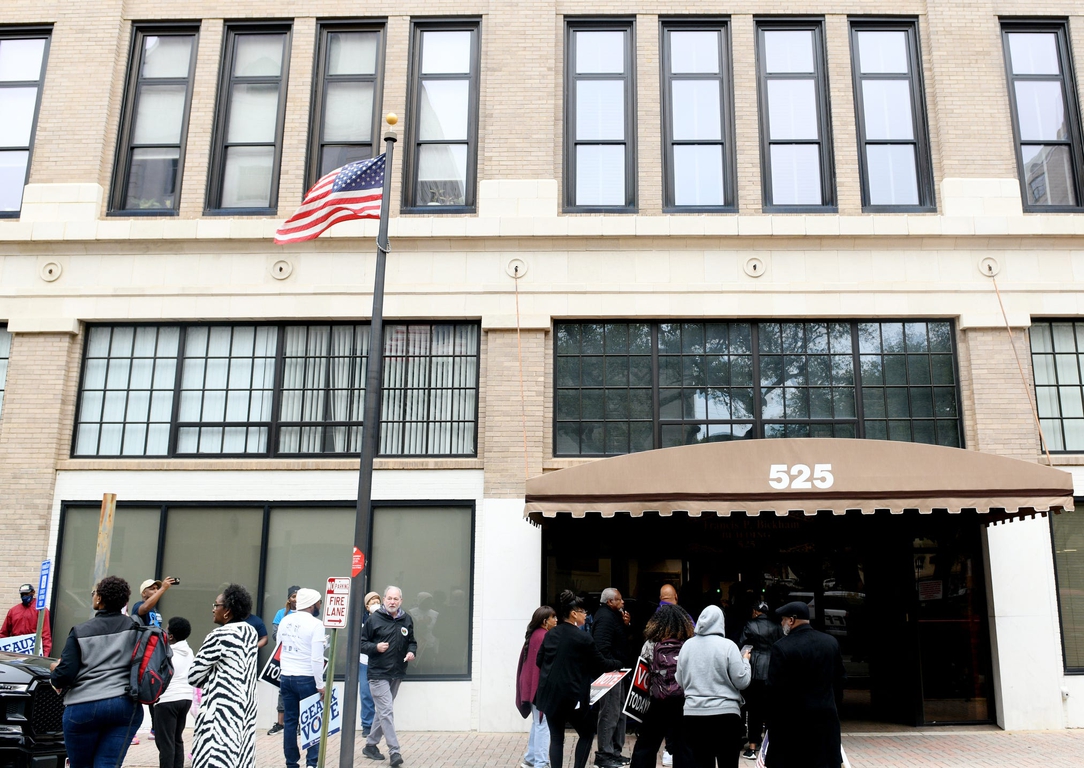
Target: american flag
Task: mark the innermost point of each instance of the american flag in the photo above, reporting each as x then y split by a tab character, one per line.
351	192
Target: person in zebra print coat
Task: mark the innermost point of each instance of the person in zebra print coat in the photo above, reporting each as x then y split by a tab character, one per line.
225	668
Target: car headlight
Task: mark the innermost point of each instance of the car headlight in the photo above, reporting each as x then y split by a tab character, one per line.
13	688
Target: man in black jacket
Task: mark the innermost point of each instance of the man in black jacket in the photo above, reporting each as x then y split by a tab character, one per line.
611	638
805	682
388	640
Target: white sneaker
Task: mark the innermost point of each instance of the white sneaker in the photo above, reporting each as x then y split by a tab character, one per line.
667	759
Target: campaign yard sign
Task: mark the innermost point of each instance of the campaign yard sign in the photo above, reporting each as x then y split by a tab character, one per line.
604	683
18	644
312	710
272	670
639	698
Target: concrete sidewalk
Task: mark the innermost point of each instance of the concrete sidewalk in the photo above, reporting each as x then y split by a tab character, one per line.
915	748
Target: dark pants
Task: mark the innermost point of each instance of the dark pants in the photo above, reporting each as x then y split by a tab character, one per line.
169	720
583	720
368	709
714	739
295	688
756	701
611	723
97	733
662	721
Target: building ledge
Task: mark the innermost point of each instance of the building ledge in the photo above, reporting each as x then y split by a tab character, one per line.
188	465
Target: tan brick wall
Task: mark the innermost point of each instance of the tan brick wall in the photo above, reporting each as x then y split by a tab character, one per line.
1002	420
746	114
36	416
505	408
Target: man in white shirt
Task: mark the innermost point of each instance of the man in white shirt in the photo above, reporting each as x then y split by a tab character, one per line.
170	714
302	637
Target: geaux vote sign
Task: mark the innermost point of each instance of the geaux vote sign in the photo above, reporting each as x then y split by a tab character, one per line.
312	710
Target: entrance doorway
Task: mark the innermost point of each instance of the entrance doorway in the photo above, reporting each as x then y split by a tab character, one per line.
904	594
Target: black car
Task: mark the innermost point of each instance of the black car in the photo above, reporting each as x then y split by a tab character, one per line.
31	714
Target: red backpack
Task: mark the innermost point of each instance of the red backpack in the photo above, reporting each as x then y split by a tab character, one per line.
664	684
152	665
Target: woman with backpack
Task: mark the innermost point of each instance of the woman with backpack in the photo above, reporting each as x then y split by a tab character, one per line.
538	743
664	636
568	661
713	673
93	675
225	668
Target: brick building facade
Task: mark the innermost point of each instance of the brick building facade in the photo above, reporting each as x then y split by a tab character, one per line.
76	259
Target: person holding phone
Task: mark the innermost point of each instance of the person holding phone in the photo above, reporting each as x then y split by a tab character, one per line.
759	635
152	590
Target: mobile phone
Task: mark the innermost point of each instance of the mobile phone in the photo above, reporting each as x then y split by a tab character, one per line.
174	580
745	649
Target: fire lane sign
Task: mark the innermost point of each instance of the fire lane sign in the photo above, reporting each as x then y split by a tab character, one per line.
337	602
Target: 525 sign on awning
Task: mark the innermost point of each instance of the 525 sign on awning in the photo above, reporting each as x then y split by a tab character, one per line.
796	477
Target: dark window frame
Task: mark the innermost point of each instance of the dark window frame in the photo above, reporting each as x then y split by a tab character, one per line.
472	24
217	166
275	423
22	33
725	78
268	507
1066	669
1056	385
320	82
757	420
825	141
122	159
1060	27
927	199
592	24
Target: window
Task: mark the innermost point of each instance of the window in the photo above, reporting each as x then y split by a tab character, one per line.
893	147
150	157
1057	350
795	127
698	105
346	98
427	551
248	128
1046	117
5	353
627	387
260	390
442	137
1067	532
600	122
22	71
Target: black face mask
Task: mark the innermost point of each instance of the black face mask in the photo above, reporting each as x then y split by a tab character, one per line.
26	599
316	612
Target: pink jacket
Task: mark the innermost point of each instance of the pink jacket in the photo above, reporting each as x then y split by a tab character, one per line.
527	674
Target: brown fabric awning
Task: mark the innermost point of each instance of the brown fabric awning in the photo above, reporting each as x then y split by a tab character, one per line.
801	476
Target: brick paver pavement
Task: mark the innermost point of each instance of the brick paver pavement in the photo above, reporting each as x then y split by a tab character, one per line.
929	748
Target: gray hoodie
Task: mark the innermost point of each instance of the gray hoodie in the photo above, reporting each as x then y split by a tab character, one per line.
711	670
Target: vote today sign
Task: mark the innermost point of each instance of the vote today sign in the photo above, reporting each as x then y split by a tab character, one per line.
639	698
312	712
336	602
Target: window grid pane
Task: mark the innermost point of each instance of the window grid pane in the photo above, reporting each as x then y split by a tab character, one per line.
347	87
793	108
1057	357
627	387
599	127
889	107
246	151
236	392
444	131
1069	564
153	133
696	95
22	70
1047	122
5	353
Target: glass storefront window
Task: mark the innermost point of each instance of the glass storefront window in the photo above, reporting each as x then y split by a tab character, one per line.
1068	532
628	387
427	553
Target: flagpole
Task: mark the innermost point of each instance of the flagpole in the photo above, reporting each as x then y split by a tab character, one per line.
363	521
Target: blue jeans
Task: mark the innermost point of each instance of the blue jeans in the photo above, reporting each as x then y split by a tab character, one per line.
97	733
538	743
295	688
368	709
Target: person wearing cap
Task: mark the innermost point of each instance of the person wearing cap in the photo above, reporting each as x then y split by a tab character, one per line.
805	685
388	640
152	591
302	638
760	633
368	708
22	619
291	604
